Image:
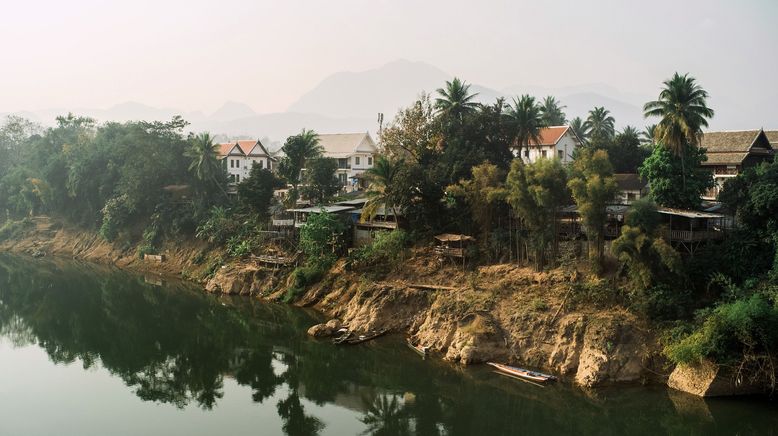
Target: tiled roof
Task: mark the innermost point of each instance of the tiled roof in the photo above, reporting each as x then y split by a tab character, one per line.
550	135
224	148
341	144
732	141
246	145
729	158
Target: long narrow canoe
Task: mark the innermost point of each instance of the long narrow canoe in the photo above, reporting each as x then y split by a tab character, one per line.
423	351
364	338
521	372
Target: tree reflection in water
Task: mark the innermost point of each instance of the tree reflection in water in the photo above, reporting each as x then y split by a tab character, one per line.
176	345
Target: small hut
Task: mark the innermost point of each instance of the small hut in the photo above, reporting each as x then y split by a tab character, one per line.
453	246
688	229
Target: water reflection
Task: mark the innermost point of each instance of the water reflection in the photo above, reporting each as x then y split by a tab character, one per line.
173	344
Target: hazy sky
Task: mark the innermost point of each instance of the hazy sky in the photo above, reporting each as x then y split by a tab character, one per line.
198	54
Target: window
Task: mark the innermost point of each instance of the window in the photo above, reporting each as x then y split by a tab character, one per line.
232	163
561	154
262	164
237	163
544	153
342	179
356	160
526	154
237	178
370	160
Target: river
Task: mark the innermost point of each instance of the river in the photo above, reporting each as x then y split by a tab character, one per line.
89	350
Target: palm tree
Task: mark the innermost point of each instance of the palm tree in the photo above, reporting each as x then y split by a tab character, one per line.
298	149
455	100
580	129
630	134
600	124
552	111
647	135
379	191
682	107
204	162
526	121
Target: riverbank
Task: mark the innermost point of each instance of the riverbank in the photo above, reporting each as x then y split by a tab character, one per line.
497	312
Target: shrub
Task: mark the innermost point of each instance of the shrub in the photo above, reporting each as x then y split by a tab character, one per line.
303	277
321	238
116	214
661	302
731	332
387	250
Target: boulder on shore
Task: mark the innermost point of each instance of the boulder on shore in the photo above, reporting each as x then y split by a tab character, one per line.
325	329
706	379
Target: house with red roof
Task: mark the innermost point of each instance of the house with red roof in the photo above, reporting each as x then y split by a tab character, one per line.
555	142
240	156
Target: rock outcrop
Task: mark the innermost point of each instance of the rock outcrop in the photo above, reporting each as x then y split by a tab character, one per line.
707	379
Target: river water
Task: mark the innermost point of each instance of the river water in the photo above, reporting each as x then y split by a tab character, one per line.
87	350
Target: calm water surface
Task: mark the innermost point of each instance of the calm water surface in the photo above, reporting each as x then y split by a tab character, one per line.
86	350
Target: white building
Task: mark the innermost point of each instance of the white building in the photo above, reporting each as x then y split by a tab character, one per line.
355	153
555	141
240	156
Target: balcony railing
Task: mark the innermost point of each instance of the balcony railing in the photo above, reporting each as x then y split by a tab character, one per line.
694	235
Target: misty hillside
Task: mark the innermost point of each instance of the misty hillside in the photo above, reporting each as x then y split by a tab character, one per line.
350	102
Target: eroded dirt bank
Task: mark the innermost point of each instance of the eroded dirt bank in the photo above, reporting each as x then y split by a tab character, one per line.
500	312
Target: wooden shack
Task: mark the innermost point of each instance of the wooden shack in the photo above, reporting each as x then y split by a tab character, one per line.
687	230
452	246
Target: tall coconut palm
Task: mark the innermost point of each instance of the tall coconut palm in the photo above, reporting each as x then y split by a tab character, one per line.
580	129
552	111
204	162
455	99
648	134
526	121
379	191
600	124
682	107
630	134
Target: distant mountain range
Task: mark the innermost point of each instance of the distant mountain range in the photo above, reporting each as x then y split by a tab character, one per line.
350	101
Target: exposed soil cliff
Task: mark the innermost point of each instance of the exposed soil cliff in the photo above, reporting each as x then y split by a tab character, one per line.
500	312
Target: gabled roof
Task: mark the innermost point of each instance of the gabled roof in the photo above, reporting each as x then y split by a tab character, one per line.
734	141
344	144
227	148
550	135
772	136
732	147
630	182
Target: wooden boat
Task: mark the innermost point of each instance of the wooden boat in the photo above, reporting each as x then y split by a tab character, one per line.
364	338
423	351
522	373
345	335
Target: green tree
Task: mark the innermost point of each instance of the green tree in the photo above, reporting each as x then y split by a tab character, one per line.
480	193
525	120
682	107
256	192
320	183
204	162
298	149
580	129
593	186
413	135
321	238
536	192
753	195
600	126
648	134
552	112
381	189
455	100
641	249
625	152
666	174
